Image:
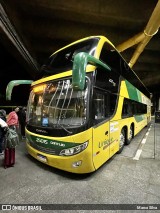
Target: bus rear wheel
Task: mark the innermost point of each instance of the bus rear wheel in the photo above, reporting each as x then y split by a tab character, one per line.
122	140
131	133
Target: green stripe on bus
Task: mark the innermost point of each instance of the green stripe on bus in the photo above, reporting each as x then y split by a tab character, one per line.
139	95
49	143
133	93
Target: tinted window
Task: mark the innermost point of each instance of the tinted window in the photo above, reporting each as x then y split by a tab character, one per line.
113	103
111	57
104	105
127	108
116	62
131	108
107	80
63	60
139	108
100	106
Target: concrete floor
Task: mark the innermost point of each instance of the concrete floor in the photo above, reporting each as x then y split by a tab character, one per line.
127	178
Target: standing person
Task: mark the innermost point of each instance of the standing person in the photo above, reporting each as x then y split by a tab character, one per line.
22	121
3	114
12	120
2	129
3	125
11	138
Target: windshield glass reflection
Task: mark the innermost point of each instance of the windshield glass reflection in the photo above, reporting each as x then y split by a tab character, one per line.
56	104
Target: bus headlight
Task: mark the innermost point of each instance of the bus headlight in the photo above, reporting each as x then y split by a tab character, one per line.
74	150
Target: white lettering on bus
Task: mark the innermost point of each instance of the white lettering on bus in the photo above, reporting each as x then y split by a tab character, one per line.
57	144
40	140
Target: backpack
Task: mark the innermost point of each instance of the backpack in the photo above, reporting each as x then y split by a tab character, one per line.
12	139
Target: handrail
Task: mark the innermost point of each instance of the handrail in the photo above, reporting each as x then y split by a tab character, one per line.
13	83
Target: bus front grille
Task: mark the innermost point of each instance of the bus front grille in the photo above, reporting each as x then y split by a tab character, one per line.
43	149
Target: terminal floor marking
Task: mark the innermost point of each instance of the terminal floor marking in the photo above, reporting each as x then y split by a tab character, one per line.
139	151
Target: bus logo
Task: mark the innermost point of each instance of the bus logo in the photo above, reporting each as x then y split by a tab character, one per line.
41	130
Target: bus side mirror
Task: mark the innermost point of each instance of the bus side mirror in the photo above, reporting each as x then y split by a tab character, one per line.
11	84
81	60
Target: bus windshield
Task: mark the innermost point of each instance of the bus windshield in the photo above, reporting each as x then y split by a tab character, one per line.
55	104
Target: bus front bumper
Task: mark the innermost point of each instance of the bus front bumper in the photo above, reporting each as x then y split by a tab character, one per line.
79	163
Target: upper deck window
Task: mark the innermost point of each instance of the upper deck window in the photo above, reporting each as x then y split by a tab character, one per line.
112	57
63	60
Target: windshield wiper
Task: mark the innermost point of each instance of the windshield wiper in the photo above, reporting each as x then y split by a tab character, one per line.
30	119
64	128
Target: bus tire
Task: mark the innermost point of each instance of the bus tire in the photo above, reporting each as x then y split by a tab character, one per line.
122	140
131	135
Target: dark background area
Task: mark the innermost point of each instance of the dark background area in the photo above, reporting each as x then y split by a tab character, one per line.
12	70
31	31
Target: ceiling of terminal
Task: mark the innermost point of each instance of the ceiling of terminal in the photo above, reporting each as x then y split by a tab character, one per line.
32	30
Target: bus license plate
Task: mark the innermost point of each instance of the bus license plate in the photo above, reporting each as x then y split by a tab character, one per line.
42	158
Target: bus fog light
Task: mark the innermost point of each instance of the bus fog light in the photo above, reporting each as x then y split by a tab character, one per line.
77	163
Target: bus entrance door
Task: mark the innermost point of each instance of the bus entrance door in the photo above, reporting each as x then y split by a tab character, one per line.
101	144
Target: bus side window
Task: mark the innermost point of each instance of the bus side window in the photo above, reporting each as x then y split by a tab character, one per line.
139	108
112	103
111	57
127	108
104	82
100	106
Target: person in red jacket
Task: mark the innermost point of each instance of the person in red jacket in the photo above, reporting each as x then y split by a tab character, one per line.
12	119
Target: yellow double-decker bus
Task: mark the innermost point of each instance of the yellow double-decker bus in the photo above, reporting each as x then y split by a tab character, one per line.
86	107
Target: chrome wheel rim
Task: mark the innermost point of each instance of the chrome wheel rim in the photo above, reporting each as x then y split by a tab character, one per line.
130	134
122	140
